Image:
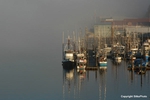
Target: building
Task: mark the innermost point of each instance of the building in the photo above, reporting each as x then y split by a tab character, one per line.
137	29
102	31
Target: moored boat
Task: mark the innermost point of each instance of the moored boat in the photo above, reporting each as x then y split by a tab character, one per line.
68	56
118	58
142	70
67	64
103	62
81	61
81	67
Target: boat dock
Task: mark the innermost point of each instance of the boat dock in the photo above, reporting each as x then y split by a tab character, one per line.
91	68
137	68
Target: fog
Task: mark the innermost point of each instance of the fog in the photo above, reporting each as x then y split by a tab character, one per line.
36	26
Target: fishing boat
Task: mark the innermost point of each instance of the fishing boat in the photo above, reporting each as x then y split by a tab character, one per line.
146	50
130	56
117	53
133	47
116	57
146	45
118	61
130	66
139	62
81	67
103	62
81	61
68	55
138	65
142	70
81	58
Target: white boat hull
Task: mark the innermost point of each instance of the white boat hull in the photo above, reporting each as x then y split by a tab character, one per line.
102	63
81	67
118	58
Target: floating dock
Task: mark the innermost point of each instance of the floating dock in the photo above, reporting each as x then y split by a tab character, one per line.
91	68
137	68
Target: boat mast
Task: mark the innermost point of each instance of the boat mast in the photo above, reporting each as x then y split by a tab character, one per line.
79	45
68	42
74	41
134	39
112	34
63	45
105	36
99	42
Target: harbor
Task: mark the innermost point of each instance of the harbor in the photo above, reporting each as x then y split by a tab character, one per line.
114	58
124	40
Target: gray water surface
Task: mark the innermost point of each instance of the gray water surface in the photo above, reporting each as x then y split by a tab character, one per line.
41	77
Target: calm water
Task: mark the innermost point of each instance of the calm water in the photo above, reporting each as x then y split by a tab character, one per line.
41	77
108	84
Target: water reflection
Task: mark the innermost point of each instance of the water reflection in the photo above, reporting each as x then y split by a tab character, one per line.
72	83
91	73
68	82
75	82
80	84
102	84
136	77
81	74
131	76
115	69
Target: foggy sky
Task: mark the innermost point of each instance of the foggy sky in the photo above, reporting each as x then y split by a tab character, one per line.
36	25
